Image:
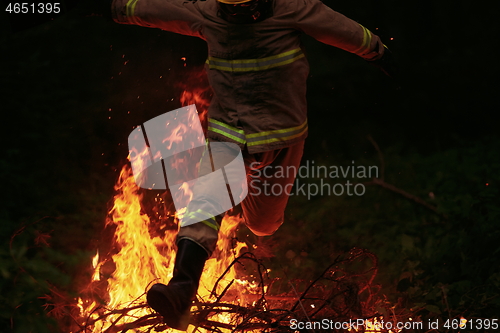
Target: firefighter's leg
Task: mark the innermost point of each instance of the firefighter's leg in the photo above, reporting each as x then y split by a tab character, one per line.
270	180
212	197
173	301
196	241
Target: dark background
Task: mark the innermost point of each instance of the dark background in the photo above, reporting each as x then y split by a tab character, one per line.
74	86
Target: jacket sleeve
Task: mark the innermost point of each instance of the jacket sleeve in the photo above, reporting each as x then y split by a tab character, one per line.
183	17
330	27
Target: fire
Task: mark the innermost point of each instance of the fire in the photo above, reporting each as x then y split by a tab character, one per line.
140	262
96	265
143	257
144	253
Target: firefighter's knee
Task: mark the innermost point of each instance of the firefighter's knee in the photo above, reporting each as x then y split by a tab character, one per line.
201	234
265	228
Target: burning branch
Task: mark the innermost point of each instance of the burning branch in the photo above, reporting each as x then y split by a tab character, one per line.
338	294
226	302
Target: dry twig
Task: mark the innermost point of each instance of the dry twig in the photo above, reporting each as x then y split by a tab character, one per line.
342	292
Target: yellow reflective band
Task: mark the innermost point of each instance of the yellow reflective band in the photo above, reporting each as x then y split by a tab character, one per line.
256	139
130	7
213	225
206	214
261	142
233	2
249	61
256	68
236	135
258	64
210	225
198	215
210	120
235	138
367	40
286	130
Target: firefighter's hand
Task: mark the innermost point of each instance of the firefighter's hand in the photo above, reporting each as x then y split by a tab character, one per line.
386	64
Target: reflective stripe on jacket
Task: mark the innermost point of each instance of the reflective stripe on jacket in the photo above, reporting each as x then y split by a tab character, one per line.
257	71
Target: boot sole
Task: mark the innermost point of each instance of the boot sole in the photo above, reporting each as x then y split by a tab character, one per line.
159	299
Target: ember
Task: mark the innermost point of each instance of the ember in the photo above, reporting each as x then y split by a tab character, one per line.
235	292
226	301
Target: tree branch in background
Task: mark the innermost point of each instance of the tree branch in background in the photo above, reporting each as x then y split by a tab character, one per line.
381	182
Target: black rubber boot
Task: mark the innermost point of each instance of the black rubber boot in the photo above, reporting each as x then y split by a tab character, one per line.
173	301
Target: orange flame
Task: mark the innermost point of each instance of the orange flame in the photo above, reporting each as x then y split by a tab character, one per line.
140	262
144	258
145	253
97	267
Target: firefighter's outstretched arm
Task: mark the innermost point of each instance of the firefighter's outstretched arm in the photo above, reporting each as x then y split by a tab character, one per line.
330	27
183	17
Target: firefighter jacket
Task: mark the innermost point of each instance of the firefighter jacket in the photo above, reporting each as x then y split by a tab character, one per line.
257	71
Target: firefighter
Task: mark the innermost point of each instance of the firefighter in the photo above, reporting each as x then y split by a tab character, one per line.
257	69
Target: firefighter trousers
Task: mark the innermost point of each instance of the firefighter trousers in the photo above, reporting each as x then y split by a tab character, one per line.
269	178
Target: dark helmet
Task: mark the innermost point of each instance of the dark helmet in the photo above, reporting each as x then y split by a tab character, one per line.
244	11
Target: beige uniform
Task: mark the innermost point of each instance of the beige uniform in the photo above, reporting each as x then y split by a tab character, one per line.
258	73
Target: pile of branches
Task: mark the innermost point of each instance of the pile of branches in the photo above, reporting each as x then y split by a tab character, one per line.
344	292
